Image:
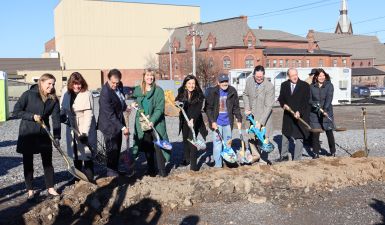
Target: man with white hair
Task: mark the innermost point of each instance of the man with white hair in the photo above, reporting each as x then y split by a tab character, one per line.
295	94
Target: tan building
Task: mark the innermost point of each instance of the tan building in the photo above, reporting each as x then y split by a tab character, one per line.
104	34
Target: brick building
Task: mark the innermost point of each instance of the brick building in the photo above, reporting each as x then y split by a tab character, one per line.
231	44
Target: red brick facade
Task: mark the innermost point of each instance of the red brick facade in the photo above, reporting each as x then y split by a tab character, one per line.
130	77
50	45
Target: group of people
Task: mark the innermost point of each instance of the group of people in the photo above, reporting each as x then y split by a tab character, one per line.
221	104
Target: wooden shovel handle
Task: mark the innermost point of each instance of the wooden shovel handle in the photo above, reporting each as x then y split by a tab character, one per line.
300	119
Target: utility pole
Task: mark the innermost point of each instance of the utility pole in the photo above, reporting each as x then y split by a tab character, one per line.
170	31
192	32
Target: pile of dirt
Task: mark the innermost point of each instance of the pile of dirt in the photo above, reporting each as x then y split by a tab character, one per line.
112	200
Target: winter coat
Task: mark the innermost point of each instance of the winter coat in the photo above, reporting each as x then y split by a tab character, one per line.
298	101
193	109
110	120
32	138
81	118
232	104
260	102
324	96
156	113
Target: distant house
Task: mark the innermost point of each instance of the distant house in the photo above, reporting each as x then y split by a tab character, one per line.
368	77
12	65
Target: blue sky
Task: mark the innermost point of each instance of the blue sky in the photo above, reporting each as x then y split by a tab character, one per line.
26	25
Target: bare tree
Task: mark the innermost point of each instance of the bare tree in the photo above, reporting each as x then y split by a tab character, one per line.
157	64
206	71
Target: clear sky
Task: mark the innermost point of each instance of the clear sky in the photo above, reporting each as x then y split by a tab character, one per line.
25	25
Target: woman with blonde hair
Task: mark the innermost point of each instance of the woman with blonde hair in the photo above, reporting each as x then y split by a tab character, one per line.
77	106
150	98
38	104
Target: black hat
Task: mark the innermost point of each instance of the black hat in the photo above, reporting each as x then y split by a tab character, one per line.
313	71
223	77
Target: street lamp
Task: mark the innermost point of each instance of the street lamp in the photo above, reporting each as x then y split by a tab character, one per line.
194	33
170	31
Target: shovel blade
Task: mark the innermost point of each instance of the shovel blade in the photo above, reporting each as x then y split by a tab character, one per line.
359	154
77	173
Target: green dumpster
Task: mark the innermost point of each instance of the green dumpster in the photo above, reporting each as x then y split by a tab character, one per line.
4	111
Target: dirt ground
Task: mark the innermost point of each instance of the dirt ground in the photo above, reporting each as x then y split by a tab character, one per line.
289	186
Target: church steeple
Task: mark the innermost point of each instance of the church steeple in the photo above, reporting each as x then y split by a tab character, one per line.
344	26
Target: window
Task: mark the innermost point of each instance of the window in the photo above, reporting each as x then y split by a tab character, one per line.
369	64
361	64
352	64
176	65
211	62
274	63
299	62
293	63
344	62
287	63
210	46
249	42
249	62
281	63
307	62
267	63
334	62
226	62
321	63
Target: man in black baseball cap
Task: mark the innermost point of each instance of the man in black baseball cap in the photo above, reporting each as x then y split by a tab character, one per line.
309	80
222	106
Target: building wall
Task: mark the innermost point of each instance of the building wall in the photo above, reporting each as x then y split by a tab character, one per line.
129	77
93	77
106	34
357	63
376	81
314	61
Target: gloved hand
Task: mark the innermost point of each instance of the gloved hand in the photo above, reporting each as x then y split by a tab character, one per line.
64	119
83	138
57	142
316	109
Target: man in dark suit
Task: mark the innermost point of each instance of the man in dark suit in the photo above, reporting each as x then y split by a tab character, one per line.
111	121
295	94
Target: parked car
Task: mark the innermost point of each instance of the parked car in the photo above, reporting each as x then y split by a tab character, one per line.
382	91
360	91
128	92
375	92
95	93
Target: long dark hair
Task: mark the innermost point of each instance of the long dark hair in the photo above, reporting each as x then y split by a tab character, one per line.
317	73
196	95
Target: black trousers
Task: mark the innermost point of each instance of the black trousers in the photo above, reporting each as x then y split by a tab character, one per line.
151	152
316	144
113	147
46	157
190	151
87	166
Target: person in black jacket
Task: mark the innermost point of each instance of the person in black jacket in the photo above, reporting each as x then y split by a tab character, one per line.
222	106
111	121
295	94
190	93
321	97
37	104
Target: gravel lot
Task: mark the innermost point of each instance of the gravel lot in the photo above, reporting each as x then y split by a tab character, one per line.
12	191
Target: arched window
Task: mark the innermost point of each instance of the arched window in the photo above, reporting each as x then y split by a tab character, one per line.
249	62
176	64
226	62
211	62
369	64
352	64
361	64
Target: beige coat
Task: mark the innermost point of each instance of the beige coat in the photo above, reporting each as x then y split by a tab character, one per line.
81	118
260	102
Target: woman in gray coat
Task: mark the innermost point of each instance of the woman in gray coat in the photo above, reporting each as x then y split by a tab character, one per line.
321	97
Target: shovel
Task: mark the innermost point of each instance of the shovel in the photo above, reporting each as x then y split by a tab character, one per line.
227	152
365	152
264	143
244	156
199	144
75	172
163	144
307	126
337	129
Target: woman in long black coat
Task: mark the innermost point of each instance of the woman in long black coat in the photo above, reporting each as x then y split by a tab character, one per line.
192	97
34	105
321	97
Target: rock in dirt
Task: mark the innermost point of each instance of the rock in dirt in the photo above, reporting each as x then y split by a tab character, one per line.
256	199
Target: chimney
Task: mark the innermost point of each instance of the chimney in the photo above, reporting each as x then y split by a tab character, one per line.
311	41
243	18
260	27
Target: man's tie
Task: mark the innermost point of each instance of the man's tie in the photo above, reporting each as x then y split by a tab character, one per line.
292	88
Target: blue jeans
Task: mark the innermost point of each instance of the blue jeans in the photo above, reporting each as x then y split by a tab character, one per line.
217	144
